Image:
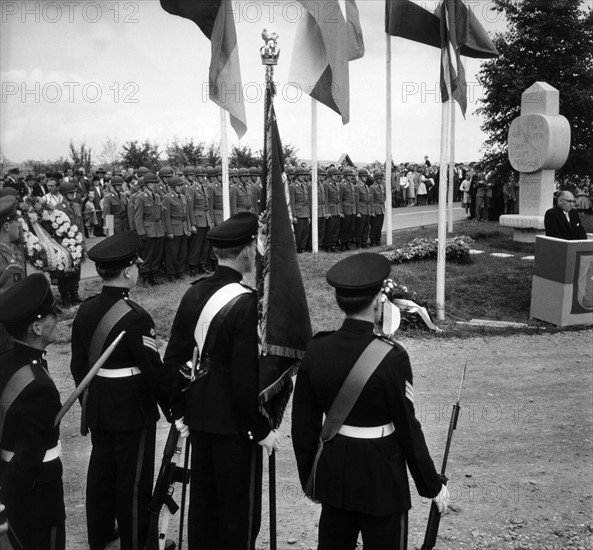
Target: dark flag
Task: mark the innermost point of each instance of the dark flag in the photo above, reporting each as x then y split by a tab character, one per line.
215	19
284	327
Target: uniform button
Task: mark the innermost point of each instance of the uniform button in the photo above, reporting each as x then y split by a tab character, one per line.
250	435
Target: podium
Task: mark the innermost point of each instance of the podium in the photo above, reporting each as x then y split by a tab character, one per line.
562	285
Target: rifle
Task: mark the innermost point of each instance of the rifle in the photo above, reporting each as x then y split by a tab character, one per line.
434	518
162	496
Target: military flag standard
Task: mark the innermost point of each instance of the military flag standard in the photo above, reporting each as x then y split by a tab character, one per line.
284	327
326	40
215	19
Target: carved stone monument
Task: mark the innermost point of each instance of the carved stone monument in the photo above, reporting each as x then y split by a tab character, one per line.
539	142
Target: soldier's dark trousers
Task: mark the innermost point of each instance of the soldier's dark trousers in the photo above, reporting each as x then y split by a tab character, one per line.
301	232
119	486
225	492
152	255
176	254
68	284
347	229
376	227
361	230
338	530
198	248
332	231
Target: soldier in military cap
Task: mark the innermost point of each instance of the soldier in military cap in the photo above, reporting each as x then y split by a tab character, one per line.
200	221
189	178
227	429
149	226
177	229
378	209
348	208
135	190
240	193
332	228
116	204
68	282
30	466
165	174
360	475
12	263
215	196
364	206
120	408
300	208
256	190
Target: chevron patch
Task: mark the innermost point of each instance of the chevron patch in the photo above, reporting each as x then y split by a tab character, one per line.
410	392
150	343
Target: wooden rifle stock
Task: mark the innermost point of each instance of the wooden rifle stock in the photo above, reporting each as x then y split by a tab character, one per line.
434	518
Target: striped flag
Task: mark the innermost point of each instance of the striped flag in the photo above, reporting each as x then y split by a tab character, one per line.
284	327
327	38
215	19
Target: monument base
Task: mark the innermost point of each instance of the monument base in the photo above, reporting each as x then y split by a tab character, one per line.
525	228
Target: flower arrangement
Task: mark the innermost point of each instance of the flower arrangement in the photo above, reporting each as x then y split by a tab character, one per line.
61	240
32	248
411	317
456	250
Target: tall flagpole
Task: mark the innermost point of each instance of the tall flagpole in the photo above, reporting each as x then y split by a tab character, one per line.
388	208
314	179
442	226
224	153
452	189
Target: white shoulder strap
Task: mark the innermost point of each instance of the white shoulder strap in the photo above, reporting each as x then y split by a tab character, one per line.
216	302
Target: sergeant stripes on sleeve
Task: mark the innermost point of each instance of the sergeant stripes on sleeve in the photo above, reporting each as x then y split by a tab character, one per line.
150	343
409	392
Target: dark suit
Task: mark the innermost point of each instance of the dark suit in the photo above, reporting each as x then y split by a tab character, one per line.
122	415
360	479
558	226
224	419
32	489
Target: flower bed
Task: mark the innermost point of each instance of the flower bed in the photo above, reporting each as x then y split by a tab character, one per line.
457	250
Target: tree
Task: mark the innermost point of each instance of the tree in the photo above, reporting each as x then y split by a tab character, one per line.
212	155
110	155
186	153
549	41
135	155
81	156
242	157
290	155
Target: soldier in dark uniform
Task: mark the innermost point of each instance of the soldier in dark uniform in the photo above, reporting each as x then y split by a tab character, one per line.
240	194
227	429
348	206
215	196
116	204
162	186
176	221
68	282
364	205
30	466
334	206
149	226
121	405
200	221
256	190
361	479
300	208
12	263
378	208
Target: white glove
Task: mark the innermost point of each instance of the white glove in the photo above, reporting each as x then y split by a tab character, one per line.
442	499
271	442
181	428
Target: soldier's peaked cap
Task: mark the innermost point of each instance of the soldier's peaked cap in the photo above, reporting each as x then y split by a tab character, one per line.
8	206
238	230
28	300
116	252
359	275
8	192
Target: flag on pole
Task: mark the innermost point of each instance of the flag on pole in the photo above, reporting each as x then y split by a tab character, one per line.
326	40
284	327
215	19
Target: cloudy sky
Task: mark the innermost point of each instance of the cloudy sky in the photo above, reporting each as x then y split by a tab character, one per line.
88	71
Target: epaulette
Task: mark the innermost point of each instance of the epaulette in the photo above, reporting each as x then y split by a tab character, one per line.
385	339
202	278
323	333
136	307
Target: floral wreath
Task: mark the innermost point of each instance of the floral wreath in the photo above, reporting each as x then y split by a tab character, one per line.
57	224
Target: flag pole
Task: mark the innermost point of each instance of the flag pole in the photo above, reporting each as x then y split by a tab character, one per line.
442	224
388	207
224	153
452	189
314	179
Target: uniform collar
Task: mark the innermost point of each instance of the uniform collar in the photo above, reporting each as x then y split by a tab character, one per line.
229	273
117	291
356	326
28	354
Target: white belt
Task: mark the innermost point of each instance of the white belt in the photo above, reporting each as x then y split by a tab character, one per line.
118	373
50	455
373	432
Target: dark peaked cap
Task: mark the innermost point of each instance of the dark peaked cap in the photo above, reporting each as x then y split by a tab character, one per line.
8	208
116	252
238	230
27	301
359	275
